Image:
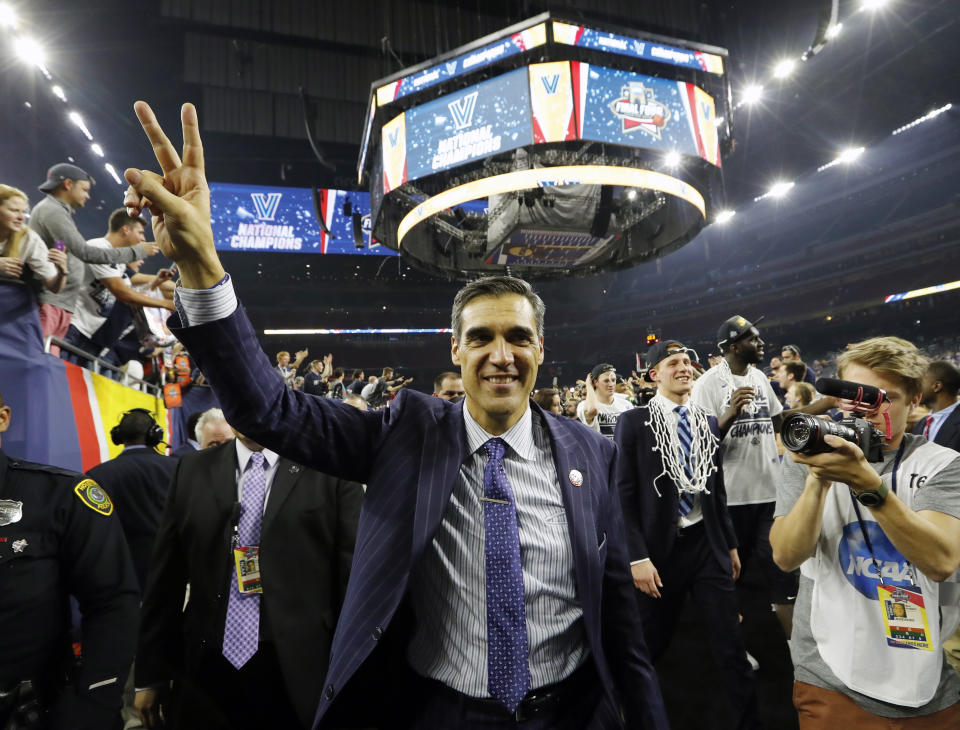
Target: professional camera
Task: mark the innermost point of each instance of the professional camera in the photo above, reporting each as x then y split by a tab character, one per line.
803	433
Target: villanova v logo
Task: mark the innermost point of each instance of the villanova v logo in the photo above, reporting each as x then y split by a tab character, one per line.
393	137
266	205
551	83
462	110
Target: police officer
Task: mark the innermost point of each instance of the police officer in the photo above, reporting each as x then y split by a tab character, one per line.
59	538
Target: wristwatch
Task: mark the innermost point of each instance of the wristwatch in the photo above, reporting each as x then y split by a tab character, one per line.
872	497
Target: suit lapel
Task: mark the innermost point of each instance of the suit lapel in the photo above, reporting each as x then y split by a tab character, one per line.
439	469
223	479
285	477
569	457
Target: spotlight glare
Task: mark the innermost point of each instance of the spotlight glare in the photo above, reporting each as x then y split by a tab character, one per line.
58	92
97	149
78	120
724	215
631	195
671	159
113	173
752	94
8	18
784	68
849	154
30	52
780	189
872	4
834	30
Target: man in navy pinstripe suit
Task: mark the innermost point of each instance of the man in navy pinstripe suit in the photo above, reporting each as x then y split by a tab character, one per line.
550	637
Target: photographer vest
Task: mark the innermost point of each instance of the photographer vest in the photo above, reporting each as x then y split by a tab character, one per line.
847	616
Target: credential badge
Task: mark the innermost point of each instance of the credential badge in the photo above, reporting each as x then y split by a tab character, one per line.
576	478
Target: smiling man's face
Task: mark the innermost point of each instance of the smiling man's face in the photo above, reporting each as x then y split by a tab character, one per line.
499	354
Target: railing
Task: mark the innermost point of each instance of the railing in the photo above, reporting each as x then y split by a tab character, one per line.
123	377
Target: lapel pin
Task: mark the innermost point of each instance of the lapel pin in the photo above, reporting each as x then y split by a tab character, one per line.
19	545
576	478
294	468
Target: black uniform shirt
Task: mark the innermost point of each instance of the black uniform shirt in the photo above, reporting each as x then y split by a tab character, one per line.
59	537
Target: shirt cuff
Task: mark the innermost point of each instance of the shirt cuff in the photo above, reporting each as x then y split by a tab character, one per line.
202	306
637	562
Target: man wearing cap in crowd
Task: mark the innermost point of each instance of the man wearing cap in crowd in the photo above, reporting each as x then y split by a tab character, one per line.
67	189
749	415
679	533
602	405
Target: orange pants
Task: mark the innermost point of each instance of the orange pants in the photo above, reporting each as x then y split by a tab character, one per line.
823	709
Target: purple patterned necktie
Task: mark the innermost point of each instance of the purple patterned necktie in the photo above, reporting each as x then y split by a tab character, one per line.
241	633
508	668
686	443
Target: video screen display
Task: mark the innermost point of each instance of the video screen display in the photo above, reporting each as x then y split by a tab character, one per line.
276	219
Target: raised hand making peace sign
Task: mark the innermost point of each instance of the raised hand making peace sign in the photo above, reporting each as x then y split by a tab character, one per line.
179	200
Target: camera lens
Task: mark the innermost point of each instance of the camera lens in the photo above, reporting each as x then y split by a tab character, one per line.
800	432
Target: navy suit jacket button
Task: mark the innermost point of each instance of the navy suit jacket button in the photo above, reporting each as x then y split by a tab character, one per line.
328	692
377	633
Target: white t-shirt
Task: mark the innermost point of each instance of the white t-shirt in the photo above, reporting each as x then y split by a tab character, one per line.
95	300
605	422
751	463
33	252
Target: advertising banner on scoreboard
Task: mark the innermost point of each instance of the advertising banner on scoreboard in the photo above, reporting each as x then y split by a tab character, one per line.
551	101
276	219
474	123
632	109
452	68
583	37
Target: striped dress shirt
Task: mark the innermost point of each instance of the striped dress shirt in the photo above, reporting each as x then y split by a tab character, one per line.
448	586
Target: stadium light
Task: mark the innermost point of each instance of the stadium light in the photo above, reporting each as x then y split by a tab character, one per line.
834	30
631	195
780	189
8	18
784	68
724	215
849	155
30	52
671	159
97	149
78	121
59	93
752	94
872	4
113	173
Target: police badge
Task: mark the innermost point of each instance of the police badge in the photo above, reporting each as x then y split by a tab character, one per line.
10	511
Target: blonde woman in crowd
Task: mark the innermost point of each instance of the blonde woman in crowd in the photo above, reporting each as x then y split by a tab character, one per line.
21	248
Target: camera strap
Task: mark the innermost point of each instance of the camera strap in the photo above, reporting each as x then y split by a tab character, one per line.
856	507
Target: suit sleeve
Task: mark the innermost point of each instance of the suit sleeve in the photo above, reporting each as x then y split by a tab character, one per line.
160	642
323	433
628	487
99	571
623	642
723	513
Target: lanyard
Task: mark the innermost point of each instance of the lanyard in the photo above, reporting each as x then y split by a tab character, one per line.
863	527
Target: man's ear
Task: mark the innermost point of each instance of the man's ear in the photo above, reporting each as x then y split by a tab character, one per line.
653	375
4	418
455	350
540	354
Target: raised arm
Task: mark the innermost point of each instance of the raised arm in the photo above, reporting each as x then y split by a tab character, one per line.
61	228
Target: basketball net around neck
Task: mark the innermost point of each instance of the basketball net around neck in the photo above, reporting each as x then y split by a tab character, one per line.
667	442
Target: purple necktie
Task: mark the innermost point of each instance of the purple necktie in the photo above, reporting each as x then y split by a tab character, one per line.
508	668
241	633
686	443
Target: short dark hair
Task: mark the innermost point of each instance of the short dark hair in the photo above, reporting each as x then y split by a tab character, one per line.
386	371
939	370
337	373
791	348
438	381
134	426
120	218
495	286
357	374
544	398
796	368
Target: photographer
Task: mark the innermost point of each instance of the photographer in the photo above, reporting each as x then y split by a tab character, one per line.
870	536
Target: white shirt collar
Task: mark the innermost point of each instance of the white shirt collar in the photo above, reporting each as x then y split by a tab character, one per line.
667	404
519	437
944	413
243	456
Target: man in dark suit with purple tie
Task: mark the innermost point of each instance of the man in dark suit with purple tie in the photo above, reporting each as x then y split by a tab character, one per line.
490	574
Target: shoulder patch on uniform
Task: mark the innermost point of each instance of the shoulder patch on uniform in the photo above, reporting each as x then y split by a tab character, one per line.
94	497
